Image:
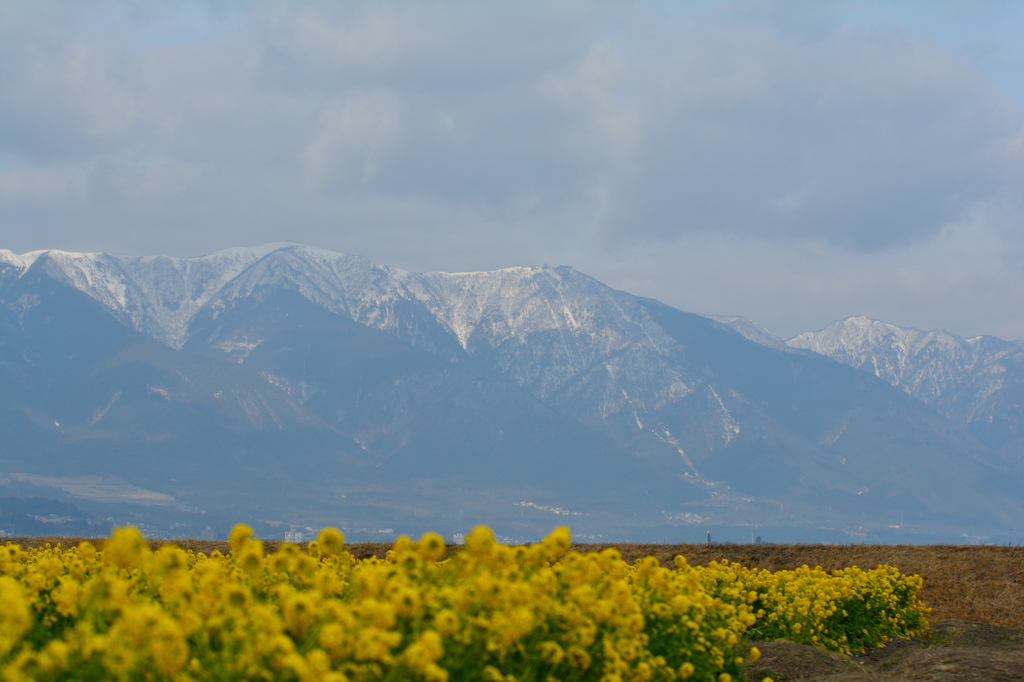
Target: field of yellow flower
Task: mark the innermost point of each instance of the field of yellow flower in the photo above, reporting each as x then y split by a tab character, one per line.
489	612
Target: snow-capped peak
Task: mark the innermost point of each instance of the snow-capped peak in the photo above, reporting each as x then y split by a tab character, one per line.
506	314
11	258
546	327
157	295
893	352
509	305
962	378
554	331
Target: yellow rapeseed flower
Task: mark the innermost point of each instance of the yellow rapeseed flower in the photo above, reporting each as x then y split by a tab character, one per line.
491	611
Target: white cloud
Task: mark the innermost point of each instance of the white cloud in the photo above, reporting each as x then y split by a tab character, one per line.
356	135
52	185
967	278
144	180
369	37
595	89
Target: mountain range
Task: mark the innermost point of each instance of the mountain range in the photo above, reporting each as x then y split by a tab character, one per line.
978	383
293	387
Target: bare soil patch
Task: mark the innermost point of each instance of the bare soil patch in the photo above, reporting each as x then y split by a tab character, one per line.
955	650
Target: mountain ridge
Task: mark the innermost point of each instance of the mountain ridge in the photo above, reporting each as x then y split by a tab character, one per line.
977	382
419	395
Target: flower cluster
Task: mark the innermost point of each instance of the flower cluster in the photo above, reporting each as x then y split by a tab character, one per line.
489	612
849	610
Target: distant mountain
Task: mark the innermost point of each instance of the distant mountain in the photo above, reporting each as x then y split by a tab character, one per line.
37	516
752	330
293	386
978	383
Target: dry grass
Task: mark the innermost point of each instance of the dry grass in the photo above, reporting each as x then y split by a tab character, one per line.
972	583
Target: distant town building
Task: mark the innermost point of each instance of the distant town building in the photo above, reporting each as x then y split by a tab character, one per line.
295	536
208	534
459	539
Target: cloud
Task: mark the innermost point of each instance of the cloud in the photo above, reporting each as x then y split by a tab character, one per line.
850	138
342	37
44	186
151	178
967	278
354	139
809	146
595	90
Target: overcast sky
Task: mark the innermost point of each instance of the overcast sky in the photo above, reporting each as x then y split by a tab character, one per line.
792	163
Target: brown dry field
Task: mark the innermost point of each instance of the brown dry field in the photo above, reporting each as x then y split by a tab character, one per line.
976	594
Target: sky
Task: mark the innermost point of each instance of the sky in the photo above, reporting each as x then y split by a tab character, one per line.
794	163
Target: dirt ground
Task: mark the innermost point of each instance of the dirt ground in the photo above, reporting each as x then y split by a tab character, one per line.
955	650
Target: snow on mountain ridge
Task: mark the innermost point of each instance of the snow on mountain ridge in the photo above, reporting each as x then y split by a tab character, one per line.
156	295
515	302
88	272
160	295
924	363
559	333
568	339
497	306
11	258
344	284
551	330
975	382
